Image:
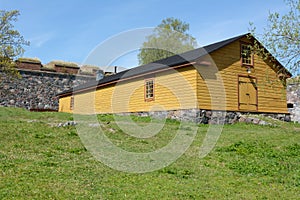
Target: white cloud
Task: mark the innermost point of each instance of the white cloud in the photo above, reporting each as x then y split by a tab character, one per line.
40	40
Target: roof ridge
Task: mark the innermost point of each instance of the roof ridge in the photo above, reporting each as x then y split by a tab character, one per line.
208	48
223	43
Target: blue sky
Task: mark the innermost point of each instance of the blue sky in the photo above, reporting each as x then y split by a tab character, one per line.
71	30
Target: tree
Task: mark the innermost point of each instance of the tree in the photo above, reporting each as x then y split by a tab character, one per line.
11	41
282	36
168	38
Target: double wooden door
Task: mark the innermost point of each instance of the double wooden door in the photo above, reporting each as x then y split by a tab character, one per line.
247	90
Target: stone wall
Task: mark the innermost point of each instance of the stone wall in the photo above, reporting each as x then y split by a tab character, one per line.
210	117
37	90
293	98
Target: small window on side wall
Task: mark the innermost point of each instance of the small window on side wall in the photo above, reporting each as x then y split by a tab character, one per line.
72	103
149	89
246	55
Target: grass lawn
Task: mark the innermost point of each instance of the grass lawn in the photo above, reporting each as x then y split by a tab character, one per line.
39	161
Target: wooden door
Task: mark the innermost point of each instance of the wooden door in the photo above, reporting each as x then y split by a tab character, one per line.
247	93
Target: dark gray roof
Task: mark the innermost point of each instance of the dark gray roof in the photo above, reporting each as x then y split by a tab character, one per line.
165	63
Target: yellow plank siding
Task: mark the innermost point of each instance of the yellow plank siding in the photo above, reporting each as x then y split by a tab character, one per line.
103	103
174	89
64	104
84	103
271	92
178	89
211	92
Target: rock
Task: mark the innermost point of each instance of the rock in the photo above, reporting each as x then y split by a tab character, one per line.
263	123
208	114
68	123
204	120
111	130
242	118
94	125
255	121
249	120
287	118
60	125
32	121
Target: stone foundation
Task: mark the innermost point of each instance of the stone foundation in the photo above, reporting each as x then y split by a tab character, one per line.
208	116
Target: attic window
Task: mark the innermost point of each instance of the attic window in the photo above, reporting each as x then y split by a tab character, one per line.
246	55
149	89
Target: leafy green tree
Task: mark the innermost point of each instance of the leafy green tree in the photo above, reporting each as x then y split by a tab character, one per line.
281	36
168	38
11	41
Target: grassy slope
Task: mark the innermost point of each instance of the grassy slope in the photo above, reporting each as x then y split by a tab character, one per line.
38	161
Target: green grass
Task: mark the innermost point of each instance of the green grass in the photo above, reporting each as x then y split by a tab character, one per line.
40	161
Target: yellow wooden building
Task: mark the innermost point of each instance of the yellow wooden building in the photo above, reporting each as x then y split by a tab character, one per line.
220	76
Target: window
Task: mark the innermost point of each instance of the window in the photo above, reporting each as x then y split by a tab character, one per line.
149	90
72	103
246	55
